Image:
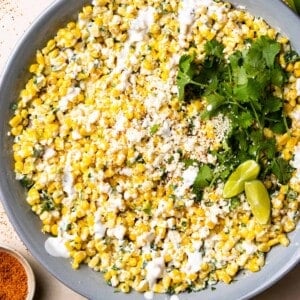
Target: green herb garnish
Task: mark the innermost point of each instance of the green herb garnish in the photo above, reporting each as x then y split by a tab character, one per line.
154	129
26	182
47	203
241	87
203	179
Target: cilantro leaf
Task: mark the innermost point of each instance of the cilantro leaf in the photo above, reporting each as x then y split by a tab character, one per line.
278	77
203	179
26	182
204	176
214	101
246	119
270	48
248	91
189	162
214	48
272	104
282	170
186	73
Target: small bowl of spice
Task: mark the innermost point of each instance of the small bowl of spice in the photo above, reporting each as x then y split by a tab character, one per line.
17	280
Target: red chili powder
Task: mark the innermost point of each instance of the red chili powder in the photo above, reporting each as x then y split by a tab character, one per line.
13	278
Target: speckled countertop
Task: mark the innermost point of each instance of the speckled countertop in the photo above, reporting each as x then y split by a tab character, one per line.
15	17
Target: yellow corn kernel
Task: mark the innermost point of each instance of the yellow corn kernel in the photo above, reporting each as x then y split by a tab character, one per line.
158	288
16	130
132	236
252	265
297	73
264	247
166	281
283	240
33	196
223	276
46	228
94	262
290	67
132	262
273	242
232	269
176	276
168	258
79	256
54	229
124	287
289	226
282	140
15	121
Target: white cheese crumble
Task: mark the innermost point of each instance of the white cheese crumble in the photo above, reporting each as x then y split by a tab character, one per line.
70	96
296	161
118	232
298	86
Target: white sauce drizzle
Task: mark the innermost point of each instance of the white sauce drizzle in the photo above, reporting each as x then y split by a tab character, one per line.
186	17
137	33
55	246
193	264
155	270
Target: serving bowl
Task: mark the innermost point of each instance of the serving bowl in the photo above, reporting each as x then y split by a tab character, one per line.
84	281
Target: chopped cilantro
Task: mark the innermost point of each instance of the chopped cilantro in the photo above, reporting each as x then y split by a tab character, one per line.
187	71
154	129
47	203
292	195
38	151
234	203
26	182
282	169
13	106
147	208
240	87
291	57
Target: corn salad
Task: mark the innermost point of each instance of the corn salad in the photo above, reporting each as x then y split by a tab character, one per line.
99	134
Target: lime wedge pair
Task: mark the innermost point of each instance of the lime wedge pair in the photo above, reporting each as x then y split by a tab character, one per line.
244	179
235	184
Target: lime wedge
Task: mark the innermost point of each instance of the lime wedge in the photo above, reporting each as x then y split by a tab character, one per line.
235	184
259	200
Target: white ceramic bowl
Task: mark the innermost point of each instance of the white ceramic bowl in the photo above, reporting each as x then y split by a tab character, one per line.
86	282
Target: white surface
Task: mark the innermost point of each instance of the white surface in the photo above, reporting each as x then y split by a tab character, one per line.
15	17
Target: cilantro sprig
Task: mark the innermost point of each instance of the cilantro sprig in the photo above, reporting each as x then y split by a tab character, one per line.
242	88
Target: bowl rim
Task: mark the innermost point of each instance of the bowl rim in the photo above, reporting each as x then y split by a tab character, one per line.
27	267
52	8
